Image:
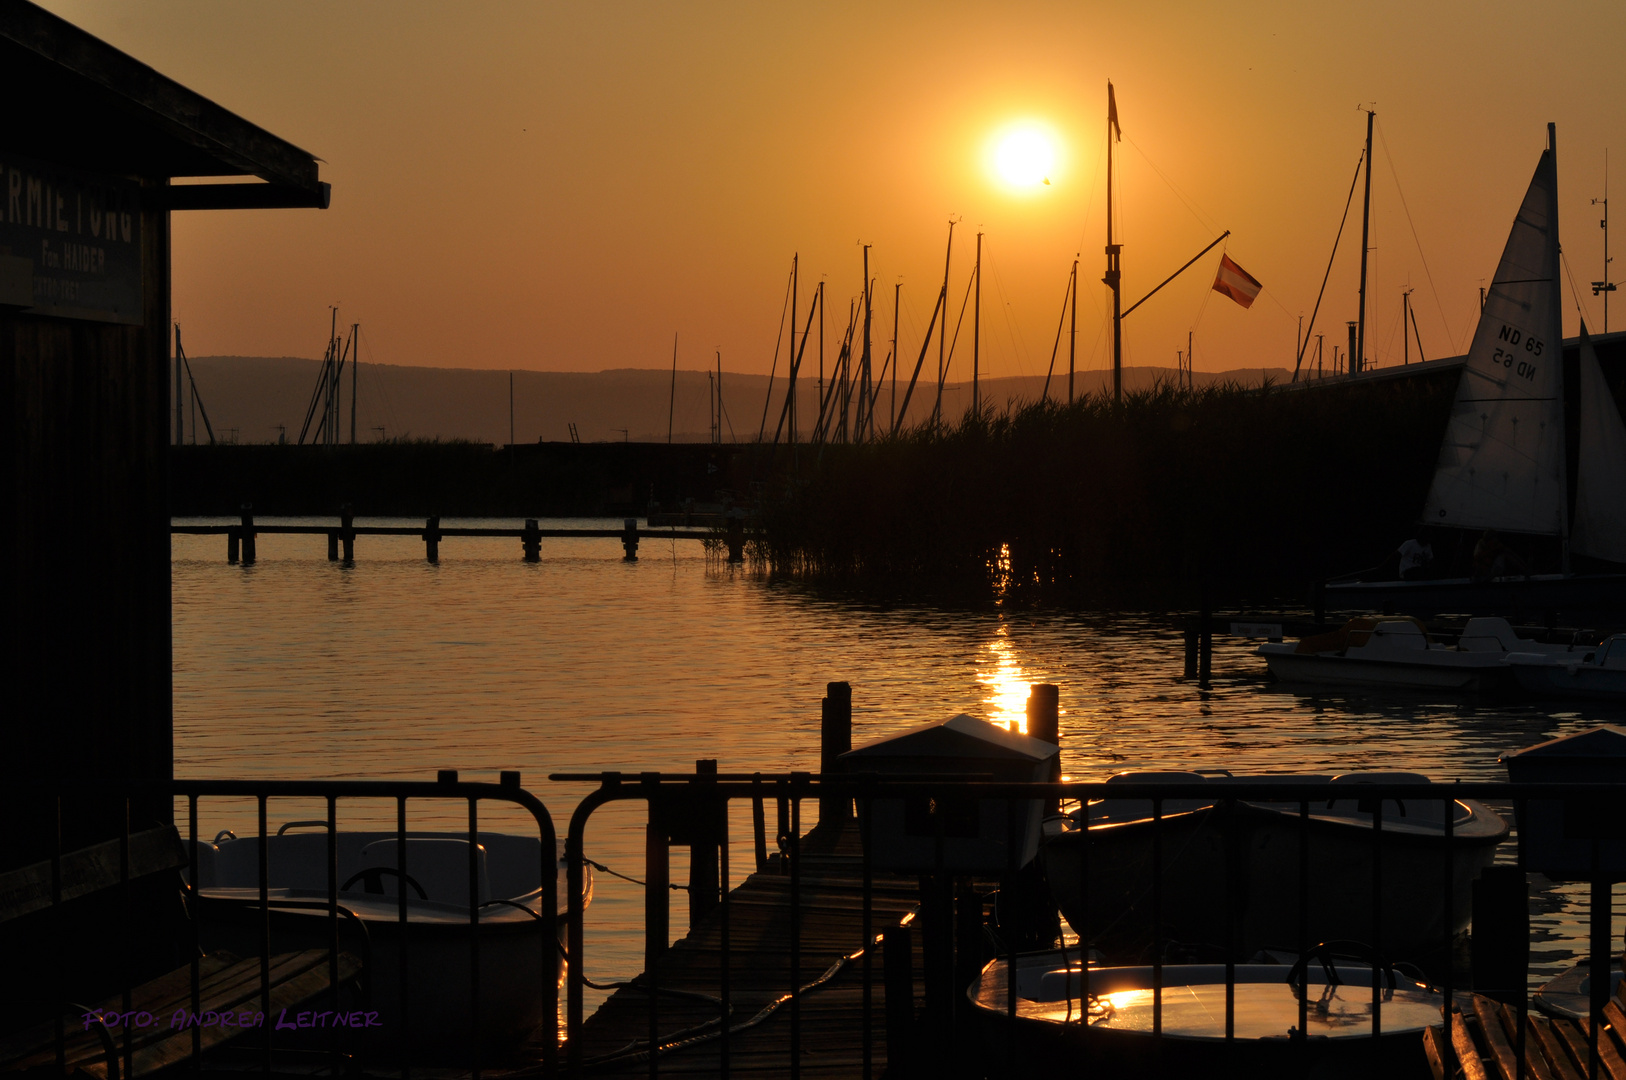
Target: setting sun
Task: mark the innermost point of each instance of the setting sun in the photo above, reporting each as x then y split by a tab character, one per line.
1024	157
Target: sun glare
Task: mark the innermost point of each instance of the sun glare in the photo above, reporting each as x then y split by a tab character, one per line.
1024	157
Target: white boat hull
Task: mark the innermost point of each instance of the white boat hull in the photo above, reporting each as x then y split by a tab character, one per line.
516	952
1331	670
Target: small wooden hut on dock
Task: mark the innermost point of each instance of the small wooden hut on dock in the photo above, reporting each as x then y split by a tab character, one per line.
93	144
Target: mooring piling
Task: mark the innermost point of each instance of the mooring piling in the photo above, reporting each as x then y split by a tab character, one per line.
431	539
532	541
736	538
629	539
246	536
347	532
835	739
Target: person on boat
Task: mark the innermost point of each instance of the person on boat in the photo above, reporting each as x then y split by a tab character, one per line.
1416	557
1492	558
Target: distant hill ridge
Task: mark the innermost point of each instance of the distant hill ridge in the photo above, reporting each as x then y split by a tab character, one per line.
255	399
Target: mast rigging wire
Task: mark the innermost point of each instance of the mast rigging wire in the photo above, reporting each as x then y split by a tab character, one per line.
1299	360
1389	156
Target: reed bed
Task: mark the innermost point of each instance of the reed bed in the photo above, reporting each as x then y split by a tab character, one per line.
1249	493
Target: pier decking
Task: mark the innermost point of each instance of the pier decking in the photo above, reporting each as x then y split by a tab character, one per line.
761	1042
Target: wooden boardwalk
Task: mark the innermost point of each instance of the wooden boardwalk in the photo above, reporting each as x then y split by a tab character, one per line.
759	957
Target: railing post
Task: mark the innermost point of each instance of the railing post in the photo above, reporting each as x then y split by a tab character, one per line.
703	844
248	533
898	964
835	739
629	539
431	539
347	532
657	881
532	540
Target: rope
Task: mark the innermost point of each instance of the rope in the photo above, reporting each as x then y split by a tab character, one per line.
701	1033
1415	238
601	868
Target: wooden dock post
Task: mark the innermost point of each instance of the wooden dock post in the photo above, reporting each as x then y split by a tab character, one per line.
898	978
347	532
1044	713
657	883
333	545
1191	650
629	539
231	546
835	739
736	538
431	539
704	884
532	539
248	534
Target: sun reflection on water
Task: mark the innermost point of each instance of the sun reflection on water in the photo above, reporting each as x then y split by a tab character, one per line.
1004	682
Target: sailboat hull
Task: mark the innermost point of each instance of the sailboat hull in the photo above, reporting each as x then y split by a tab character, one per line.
1571	598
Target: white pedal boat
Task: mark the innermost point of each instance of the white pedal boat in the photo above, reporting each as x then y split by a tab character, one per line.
517	953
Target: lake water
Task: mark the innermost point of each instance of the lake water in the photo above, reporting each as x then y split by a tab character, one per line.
296	667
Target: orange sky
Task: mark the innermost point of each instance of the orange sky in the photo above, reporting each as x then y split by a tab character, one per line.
562	186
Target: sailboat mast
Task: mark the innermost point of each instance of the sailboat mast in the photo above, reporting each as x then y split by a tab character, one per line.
1112	278
1072	333
976	338
180	397
1357	359
942	338
355	367
897	293
865	400
794	262
1603	286
1557	287
671	400
331	434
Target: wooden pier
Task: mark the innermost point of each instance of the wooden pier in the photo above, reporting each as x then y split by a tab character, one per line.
761	972
341	538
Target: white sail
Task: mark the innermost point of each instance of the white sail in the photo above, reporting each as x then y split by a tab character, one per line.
1600	478
1501	463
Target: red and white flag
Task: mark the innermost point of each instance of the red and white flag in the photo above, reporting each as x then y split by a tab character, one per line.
1236	282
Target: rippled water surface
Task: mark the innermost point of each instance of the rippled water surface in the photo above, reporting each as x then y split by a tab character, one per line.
296	667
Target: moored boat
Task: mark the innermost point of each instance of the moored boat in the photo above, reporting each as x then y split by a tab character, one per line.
1598	673
1397	653
517	953
1223	859
1112	1030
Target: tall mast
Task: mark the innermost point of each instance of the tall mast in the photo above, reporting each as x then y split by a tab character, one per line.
1604	286
942	338
794	261
897	292
671	401
864	399
181	396
332	434
1072	333
355	366
1357	359
976	338
1111	280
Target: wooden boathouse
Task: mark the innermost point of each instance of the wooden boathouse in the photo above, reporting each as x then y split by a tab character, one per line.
95	156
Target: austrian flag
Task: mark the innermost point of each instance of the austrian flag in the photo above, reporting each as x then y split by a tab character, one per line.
1236	282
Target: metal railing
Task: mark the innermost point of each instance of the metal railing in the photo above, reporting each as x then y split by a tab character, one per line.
207	907
700	800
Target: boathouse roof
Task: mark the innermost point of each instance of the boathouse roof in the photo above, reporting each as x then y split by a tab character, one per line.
78	101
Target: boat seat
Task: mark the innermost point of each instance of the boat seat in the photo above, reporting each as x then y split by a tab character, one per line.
438	864
1490	634
1614	654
